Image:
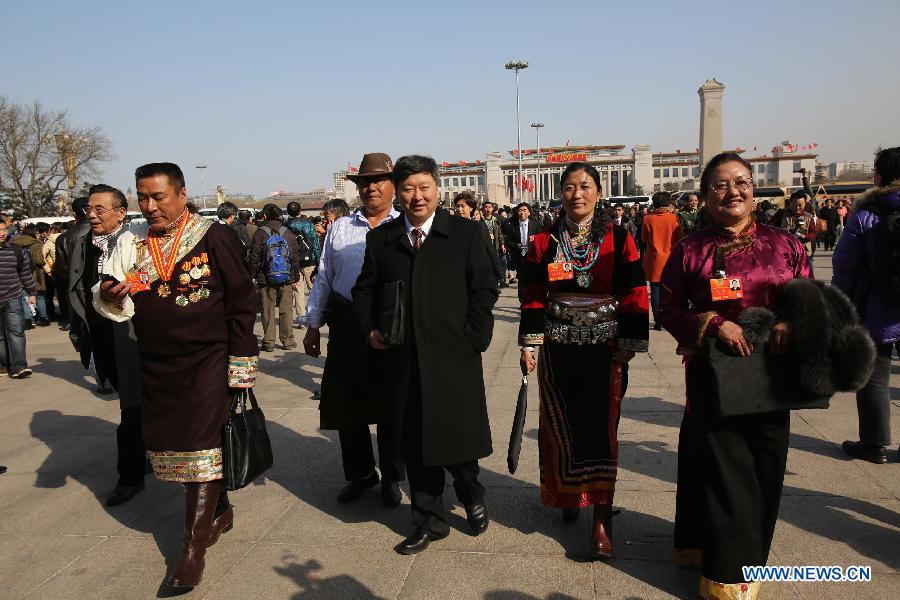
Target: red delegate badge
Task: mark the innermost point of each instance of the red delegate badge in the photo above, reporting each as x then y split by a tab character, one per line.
726	288
139	280
560	271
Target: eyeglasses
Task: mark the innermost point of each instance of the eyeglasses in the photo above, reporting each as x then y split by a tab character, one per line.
99	210
720	187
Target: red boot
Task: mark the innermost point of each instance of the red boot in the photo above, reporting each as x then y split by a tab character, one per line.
201	500
601	532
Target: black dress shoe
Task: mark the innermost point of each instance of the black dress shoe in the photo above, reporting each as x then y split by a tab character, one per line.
355	488
123	493
476	515
570	515
2	469
873	454
417	542
390	493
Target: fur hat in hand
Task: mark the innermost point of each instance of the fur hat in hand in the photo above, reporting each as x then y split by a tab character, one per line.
828	350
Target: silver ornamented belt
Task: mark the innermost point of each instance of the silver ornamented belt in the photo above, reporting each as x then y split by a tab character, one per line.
581	319
582	309
567	333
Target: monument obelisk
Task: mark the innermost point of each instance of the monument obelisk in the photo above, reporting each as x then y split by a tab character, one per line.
710	120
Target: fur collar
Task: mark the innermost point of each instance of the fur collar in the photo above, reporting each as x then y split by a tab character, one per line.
872	196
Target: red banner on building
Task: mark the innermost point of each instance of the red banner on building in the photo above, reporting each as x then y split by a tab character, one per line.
562	157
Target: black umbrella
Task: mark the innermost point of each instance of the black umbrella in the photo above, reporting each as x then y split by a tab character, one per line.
515	436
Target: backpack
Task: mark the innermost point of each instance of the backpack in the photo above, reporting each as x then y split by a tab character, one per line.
886	274
277	260
307	257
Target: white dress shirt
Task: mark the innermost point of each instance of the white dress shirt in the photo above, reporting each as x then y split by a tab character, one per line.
341	262
425	227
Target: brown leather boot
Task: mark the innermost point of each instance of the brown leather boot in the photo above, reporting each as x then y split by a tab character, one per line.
200	508
224	518
601	532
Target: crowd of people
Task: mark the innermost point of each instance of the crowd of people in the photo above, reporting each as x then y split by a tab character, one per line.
164	313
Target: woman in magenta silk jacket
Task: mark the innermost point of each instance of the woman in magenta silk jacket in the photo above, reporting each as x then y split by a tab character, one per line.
730	469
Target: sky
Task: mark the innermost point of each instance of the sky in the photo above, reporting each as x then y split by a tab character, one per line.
279	95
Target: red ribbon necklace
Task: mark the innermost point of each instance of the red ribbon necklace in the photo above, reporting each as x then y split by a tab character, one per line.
166	266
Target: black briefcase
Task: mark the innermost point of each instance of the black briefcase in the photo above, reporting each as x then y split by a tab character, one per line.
731	385
390	315
246	449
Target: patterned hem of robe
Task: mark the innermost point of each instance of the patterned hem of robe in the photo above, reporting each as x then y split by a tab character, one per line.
187	467
565	482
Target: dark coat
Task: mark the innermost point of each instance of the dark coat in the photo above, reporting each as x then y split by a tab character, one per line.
451	289
514	240
64	244
499	271
114	345
854	263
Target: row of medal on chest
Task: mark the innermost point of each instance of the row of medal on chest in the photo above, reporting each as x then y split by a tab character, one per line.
192	270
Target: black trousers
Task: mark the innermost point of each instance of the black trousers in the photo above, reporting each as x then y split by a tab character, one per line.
130	444
358	457
655	288
62	295
873	402
426	487
741	470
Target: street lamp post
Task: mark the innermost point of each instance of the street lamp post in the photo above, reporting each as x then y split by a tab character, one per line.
518	65
202	185
537	178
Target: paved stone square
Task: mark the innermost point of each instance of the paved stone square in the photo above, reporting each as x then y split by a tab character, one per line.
292	540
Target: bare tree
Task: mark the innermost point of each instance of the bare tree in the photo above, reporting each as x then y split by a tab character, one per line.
42	155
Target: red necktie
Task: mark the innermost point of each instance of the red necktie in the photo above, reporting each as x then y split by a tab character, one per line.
420	235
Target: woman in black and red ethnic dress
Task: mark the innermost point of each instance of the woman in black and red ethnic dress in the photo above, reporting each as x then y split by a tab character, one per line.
585	308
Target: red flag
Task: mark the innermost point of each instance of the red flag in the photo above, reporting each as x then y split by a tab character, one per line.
352	169
462	163
445	164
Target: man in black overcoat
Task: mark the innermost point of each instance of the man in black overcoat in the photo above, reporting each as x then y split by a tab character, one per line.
436	399
112	345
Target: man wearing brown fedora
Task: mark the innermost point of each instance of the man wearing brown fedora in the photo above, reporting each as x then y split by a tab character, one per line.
353	379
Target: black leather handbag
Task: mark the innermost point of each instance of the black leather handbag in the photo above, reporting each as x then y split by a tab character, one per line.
390	316
246	449
729	385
